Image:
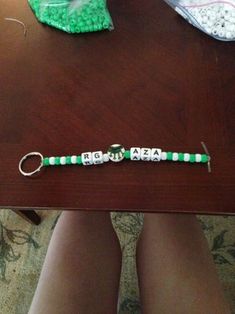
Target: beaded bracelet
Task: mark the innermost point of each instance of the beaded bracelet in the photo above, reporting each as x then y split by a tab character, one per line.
116	153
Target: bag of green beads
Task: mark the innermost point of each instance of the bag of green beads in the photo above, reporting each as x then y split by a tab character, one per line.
73	16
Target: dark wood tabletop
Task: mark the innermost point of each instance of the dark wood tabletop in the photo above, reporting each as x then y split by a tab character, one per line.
154	81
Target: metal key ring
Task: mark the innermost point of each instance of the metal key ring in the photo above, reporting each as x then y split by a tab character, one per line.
28	174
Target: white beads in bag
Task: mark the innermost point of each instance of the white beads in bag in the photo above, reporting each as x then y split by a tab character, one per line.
216	18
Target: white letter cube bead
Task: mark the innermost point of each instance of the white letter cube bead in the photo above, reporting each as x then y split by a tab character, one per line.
135	153
145	154
97	157
73	160
156	154
87	158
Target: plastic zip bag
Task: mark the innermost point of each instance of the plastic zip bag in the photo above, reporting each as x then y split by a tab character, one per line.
73	16
215	18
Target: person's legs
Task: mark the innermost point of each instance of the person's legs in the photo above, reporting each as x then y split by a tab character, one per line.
82	268
175	268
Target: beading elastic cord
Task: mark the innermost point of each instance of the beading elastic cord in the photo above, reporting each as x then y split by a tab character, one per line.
19	22
116	153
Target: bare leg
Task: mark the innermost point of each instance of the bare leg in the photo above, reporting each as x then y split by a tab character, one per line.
175	268
82	268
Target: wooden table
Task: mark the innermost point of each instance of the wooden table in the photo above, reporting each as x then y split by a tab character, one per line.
155	81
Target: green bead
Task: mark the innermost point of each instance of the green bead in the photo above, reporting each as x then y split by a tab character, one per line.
79	160
56	18
181	157
94	18
95	27
192	158
169	155
204	158
93	14
53	11
72	16
127	154
46	161
73	22
68	160
105	25
80	25
100	27
87	23
57	161
91	29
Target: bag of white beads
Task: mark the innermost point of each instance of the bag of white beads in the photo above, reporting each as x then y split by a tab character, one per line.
215	18
73	16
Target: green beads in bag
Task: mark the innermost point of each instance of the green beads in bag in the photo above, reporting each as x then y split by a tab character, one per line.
73	16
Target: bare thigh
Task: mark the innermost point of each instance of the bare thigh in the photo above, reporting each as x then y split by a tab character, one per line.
176	271
82	267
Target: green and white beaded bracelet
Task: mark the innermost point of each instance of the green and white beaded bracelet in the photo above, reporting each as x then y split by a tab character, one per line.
116	153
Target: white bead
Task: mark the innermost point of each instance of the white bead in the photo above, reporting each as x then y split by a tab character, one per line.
212	16
221	33
163	156
186	157
52	161
208	30
87	158
156	154
203	12
63	160
228	35
73	160
204	19
198	157
135	153
230	28
105	157
215	32
145	154
209	24
226	25
175	156
97	157
199	19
